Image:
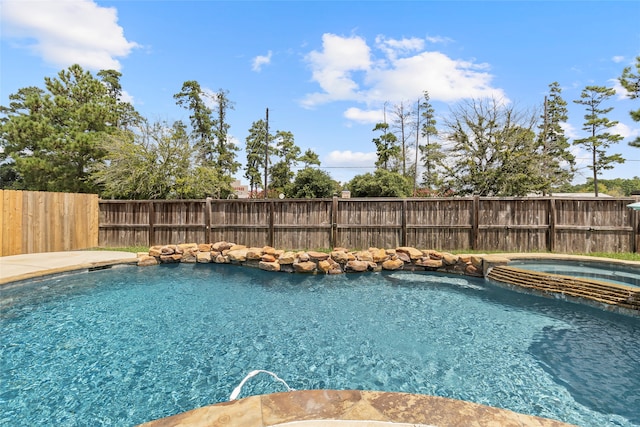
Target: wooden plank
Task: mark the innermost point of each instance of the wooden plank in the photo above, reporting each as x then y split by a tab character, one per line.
152	220
551	237
3	224
404	222
474	222
334	221
15	226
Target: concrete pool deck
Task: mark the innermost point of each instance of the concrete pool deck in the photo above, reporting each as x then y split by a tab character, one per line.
15	268
307	408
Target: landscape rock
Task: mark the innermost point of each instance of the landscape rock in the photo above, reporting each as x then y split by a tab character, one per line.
363	256
403	256
393	264
203	257
237	255
155	251
222	259
147	260
204	247
412	252
317	256
304	267
254	253
449	259
221	246
429	263
170	259
379	255
168	250
269	266
268	258
356	266
287	258
341	257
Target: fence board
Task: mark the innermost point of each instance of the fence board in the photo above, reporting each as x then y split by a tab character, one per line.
506	224
34	221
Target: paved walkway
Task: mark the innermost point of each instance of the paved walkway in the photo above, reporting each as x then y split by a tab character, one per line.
27	266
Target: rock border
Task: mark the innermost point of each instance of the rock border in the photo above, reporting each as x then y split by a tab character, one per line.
338	261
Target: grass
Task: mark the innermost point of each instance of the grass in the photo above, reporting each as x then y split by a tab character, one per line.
133	249
627	256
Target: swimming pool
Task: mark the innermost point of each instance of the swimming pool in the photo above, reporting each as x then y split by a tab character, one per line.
127	345
608	272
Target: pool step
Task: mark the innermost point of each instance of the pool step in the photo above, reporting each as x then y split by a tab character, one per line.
595	290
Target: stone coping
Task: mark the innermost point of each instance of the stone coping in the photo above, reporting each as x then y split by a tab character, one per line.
311	408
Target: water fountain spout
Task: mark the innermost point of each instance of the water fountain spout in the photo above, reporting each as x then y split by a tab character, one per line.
236	391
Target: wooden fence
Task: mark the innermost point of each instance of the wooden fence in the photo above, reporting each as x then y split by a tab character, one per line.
565	225
35	221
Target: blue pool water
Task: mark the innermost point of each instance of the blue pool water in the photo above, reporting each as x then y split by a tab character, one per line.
127	345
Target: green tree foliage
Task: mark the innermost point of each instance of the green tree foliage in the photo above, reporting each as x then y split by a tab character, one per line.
311	183
287	154
387	148
493	150
209	127
403	124
155	162
192	98
255	150
631	82
309	158
431	153
596	125
557	165
381	183
283	157
53	137
613	187
225	148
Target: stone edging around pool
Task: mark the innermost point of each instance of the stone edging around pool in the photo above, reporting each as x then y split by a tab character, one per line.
340	260
312	408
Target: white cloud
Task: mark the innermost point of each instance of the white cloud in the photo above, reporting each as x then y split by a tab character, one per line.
67	32
438	39
617	59
364	116
569	131
347	70
127	97
392	47
355	159
333	67
624	131
261	60
621	91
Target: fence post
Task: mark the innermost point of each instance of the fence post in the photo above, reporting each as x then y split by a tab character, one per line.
635	227
152	220
207	220
333	232
271	225
475	212
404	222
552	225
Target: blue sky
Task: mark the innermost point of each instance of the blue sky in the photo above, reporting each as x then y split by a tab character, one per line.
325	69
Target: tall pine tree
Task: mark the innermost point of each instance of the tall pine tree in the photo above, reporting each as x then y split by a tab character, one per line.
631	82
597	125
558	163
431	152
